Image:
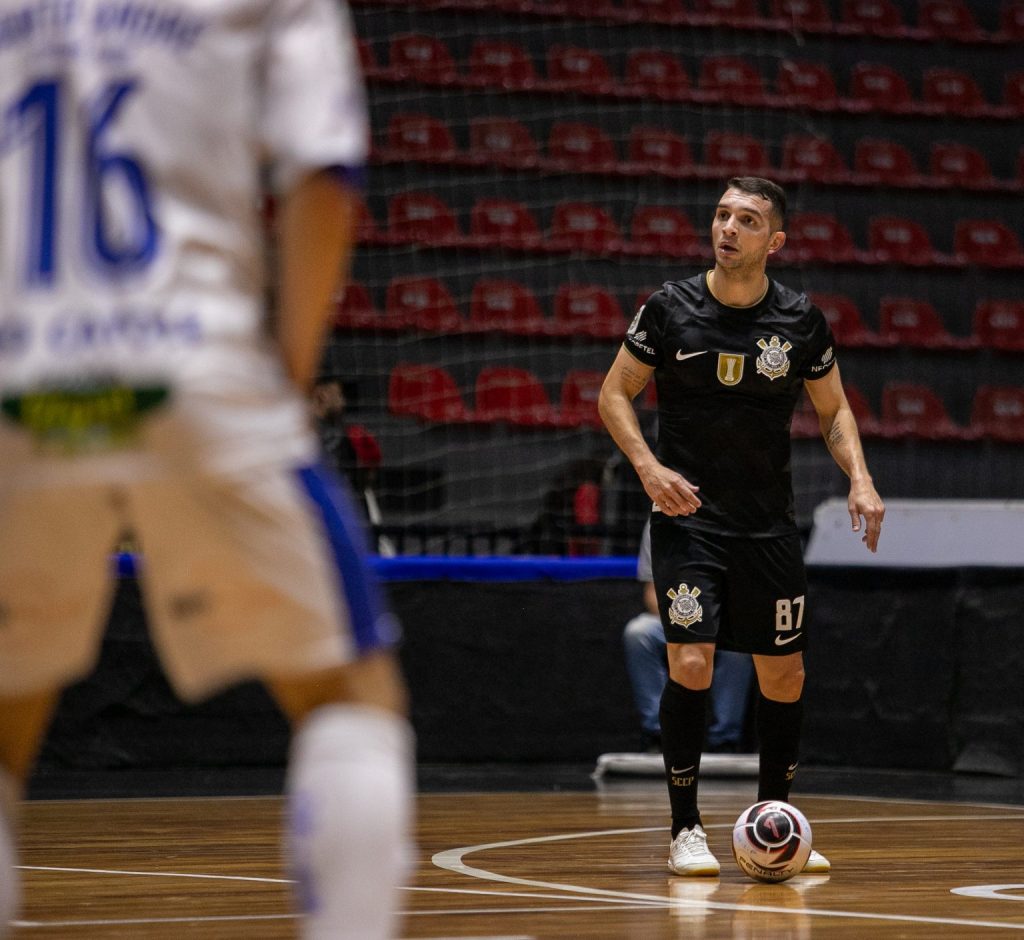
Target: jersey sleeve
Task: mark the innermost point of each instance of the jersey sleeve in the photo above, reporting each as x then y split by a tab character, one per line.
314	113
643	338
821	347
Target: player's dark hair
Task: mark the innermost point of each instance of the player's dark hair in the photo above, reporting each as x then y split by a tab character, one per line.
766	189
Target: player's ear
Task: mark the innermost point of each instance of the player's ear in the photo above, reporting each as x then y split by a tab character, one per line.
777	240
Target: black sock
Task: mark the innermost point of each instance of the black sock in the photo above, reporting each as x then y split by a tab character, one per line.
683	713
778	732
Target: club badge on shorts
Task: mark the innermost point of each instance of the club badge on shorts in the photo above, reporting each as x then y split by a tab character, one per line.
684	609
773	361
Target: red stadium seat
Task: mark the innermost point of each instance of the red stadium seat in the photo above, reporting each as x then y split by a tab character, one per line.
910	321
355	310
731	154
867	423
914	410
513	395
818	236
807	84
583	226
656	11
1011	19
574	68
662	230
505	306
578	402
418	216
501	141
367	58
998	413
884	161
952	91
813	158
1013	92
422	58
502	63
504	223
892	240
731	78
956	164
727	12
803	14
999	324
656	73
422	303
879	87
578	146
588	310
662	151
878	17
418	137
947	19
987	242
427	392
845	320
367	232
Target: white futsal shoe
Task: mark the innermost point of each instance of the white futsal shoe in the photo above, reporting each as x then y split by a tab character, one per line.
817	864
689	854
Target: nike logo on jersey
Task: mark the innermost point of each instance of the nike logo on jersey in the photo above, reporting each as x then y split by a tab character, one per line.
783	640
680	355
677	770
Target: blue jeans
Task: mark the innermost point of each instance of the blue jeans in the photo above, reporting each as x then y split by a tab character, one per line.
647	665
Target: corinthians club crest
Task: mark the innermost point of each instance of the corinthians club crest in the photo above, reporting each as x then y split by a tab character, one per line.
773	361
684	609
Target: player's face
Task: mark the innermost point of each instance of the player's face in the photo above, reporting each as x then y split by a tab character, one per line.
741	232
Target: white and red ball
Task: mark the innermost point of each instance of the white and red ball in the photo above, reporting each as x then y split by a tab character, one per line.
771	841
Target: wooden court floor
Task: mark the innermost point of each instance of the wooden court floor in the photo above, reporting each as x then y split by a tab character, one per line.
530	865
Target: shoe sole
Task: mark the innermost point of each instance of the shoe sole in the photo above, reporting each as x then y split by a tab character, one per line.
816	869
705	871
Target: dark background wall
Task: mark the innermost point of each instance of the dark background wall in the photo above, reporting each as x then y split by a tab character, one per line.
907	669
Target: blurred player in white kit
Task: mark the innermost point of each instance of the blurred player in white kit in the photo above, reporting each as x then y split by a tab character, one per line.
144	387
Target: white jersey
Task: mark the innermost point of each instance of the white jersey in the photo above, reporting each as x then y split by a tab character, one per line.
135	140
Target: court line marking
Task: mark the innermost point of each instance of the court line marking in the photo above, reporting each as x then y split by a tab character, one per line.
621	900
452	860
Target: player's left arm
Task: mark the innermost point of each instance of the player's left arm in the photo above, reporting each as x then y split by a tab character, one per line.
316	236
839	428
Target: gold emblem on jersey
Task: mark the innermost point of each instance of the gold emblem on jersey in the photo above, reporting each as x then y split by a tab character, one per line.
684	609
730	368
773	361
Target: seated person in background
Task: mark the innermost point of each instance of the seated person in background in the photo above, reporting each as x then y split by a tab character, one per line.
647	665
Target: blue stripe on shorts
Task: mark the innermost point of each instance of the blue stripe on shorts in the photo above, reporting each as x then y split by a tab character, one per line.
373	626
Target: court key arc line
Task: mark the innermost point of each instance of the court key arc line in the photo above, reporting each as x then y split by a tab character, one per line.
452	860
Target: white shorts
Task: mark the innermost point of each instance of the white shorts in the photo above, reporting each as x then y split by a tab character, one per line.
243	578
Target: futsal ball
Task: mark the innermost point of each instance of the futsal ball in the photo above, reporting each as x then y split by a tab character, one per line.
771	841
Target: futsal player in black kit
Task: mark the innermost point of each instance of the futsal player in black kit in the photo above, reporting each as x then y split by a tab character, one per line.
730	351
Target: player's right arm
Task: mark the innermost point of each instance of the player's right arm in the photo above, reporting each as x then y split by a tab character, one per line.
668	490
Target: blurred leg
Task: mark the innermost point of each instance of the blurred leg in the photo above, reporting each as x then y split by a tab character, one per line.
350	785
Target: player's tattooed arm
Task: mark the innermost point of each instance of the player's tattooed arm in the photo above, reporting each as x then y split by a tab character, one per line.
835	437
634	380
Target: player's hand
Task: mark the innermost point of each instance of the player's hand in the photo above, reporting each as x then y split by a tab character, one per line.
864	501
671	492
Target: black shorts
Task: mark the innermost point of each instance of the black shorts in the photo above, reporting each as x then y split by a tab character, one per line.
742	594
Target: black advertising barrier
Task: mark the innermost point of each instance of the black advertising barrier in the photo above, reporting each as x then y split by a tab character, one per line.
907	668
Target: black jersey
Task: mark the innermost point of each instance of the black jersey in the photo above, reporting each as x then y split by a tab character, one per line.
728	380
